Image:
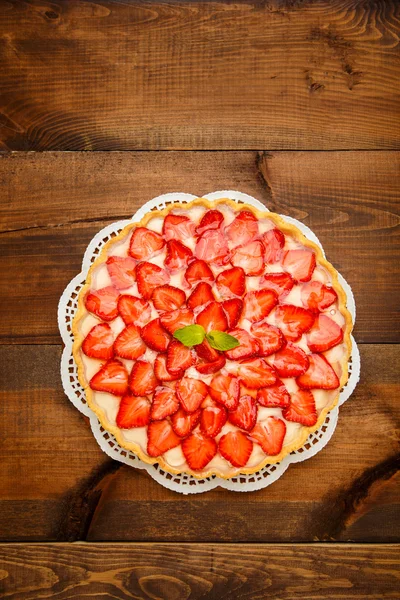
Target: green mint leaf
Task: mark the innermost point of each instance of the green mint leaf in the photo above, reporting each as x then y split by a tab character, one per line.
191	335
222	341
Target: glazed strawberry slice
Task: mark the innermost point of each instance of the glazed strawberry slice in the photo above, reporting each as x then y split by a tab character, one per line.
209	367
202	294
256	373
112	378
129	344
319	375
291	361
231	282
248	345
317	296
280	283
249	257
300	264
178	255
155	336
269	434
301	409
324	334
212	219
212	247
121	271
233	310
99	342
191	393
204	350
145	243
133	310
103	303
273	241
212	420
225	389
184	423
142	380
236	448
164	403
197	271
168	297
198	450
149	277
161	438
275	395
243	228
258	304
134	411
161	371
176	319
213	318
178	227
179	357
269	338
245	416
293	321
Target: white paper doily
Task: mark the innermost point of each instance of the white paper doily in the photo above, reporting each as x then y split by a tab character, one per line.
187	484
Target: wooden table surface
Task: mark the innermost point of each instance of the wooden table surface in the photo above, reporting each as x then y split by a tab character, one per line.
104	105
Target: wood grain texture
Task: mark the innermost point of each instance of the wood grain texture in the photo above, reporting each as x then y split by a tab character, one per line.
277	74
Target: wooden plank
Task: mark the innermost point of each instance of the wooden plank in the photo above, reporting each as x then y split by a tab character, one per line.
199	75
56	484
180	571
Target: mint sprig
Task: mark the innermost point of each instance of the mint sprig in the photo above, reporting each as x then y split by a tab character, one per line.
192	335
221	340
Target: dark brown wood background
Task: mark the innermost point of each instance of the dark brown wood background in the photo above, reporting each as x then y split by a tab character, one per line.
104	105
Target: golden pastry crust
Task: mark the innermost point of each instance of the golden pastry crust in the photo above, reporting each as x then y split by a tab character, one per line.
286	228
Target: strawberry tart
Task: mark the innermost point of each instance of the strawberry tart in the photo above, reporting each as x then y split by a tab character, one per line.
212	338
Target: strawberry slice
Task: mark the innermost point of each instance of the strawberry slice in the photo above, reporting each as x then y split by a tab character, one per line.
256	373
161	371
233	310
249	257
300	264
202	294
231	282
178	255
245	416
184	423
293	321
99	342
134	411
212	420
212	247
179	357
198	450
236	448
269	434
302	409
178	227
243	228
176	319
317	296
258	304
225	389
142	380
149	277
191	393
168	297
273	241
129	344
121	271
212	219
275	395
198	270
269	338
280	283
145	243
291	361
324	334
319	375
248	345
204	350
103	303
112	378
161	438
208	367
164	403
133	310
213	318
155	336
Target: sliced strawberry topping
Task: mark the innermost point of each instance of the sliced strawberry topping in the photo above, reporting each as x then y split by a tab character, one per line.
134	311
212	420
164	403
273	241
280	283
155	336
233	310
256	373
293	321
198	450
121	271
270	435
300	264
269	338
129	344
225	389
258	304
149	277
317	296
249	257
202	294
208	367
212	247
231	282
103	303
183	423
204	350
213	317
142	380
178	255
236	447
245	416
134	411
212	219
112	378
324	334
319	375
161	438
243	228
176	319
275	395
179	357
248	345
291	361
168	297
178	227
301	409
145	243
99	342
191	393
161	371
198	270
